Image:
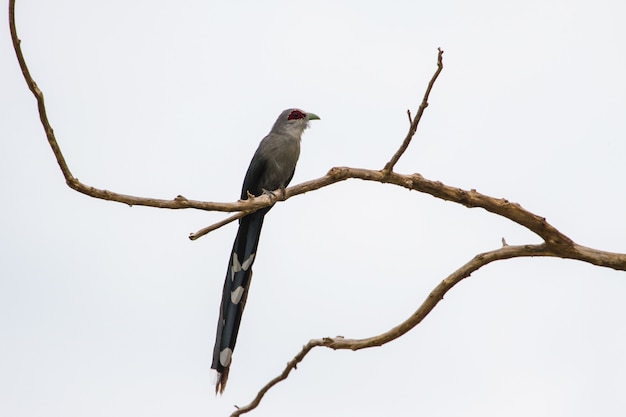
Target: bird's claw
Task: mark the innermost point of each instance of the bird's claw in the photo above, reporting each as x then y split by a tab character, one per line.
273	195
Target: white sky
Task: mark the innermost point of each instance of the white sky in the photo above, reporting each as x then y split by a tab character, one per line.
107	310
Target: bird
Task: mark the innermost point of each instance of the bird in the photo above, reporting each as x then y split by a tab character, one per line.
272	167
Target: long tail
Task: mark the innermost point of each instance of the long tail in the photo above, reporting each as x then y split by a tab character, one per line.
236	286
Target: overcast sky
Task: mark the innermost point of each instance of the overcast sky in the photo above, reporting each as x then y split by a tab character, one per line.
107	310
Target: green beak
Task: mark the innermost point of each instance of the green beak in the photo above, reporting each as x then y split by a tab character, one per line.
312	116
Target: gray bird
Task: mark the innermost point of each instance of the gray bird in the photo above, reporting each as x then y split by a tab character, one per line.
272	168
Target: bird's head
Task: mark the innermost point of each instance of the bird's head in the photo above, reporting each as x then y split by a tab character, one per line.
293	122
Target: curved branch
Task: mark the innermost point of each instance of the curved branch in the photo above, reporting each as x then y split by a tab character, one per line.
436	295
32	85
179	202
506	252
573	251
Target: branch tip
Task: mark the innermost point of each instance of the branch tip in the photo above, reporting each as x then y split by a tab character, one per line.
418	116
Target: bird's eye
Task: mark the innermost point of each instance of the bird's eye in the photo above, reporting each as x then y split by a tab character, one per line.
296	114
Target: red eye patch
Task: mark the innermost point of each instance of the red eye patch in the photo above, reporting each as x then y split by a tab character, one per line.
296	114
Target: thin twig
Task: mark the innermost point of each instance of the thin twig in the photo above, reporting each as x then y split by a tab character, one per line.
413	128
291	365
32	85
214	226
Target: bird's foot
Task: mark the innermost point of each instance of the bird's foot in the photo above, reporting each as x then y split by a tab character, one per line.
273	195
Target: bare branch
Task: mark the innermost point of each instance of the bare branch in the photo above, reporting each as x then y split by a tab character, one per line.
571	251
180	202
416	318
413	128
472	198
436	295
38	95
291	365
